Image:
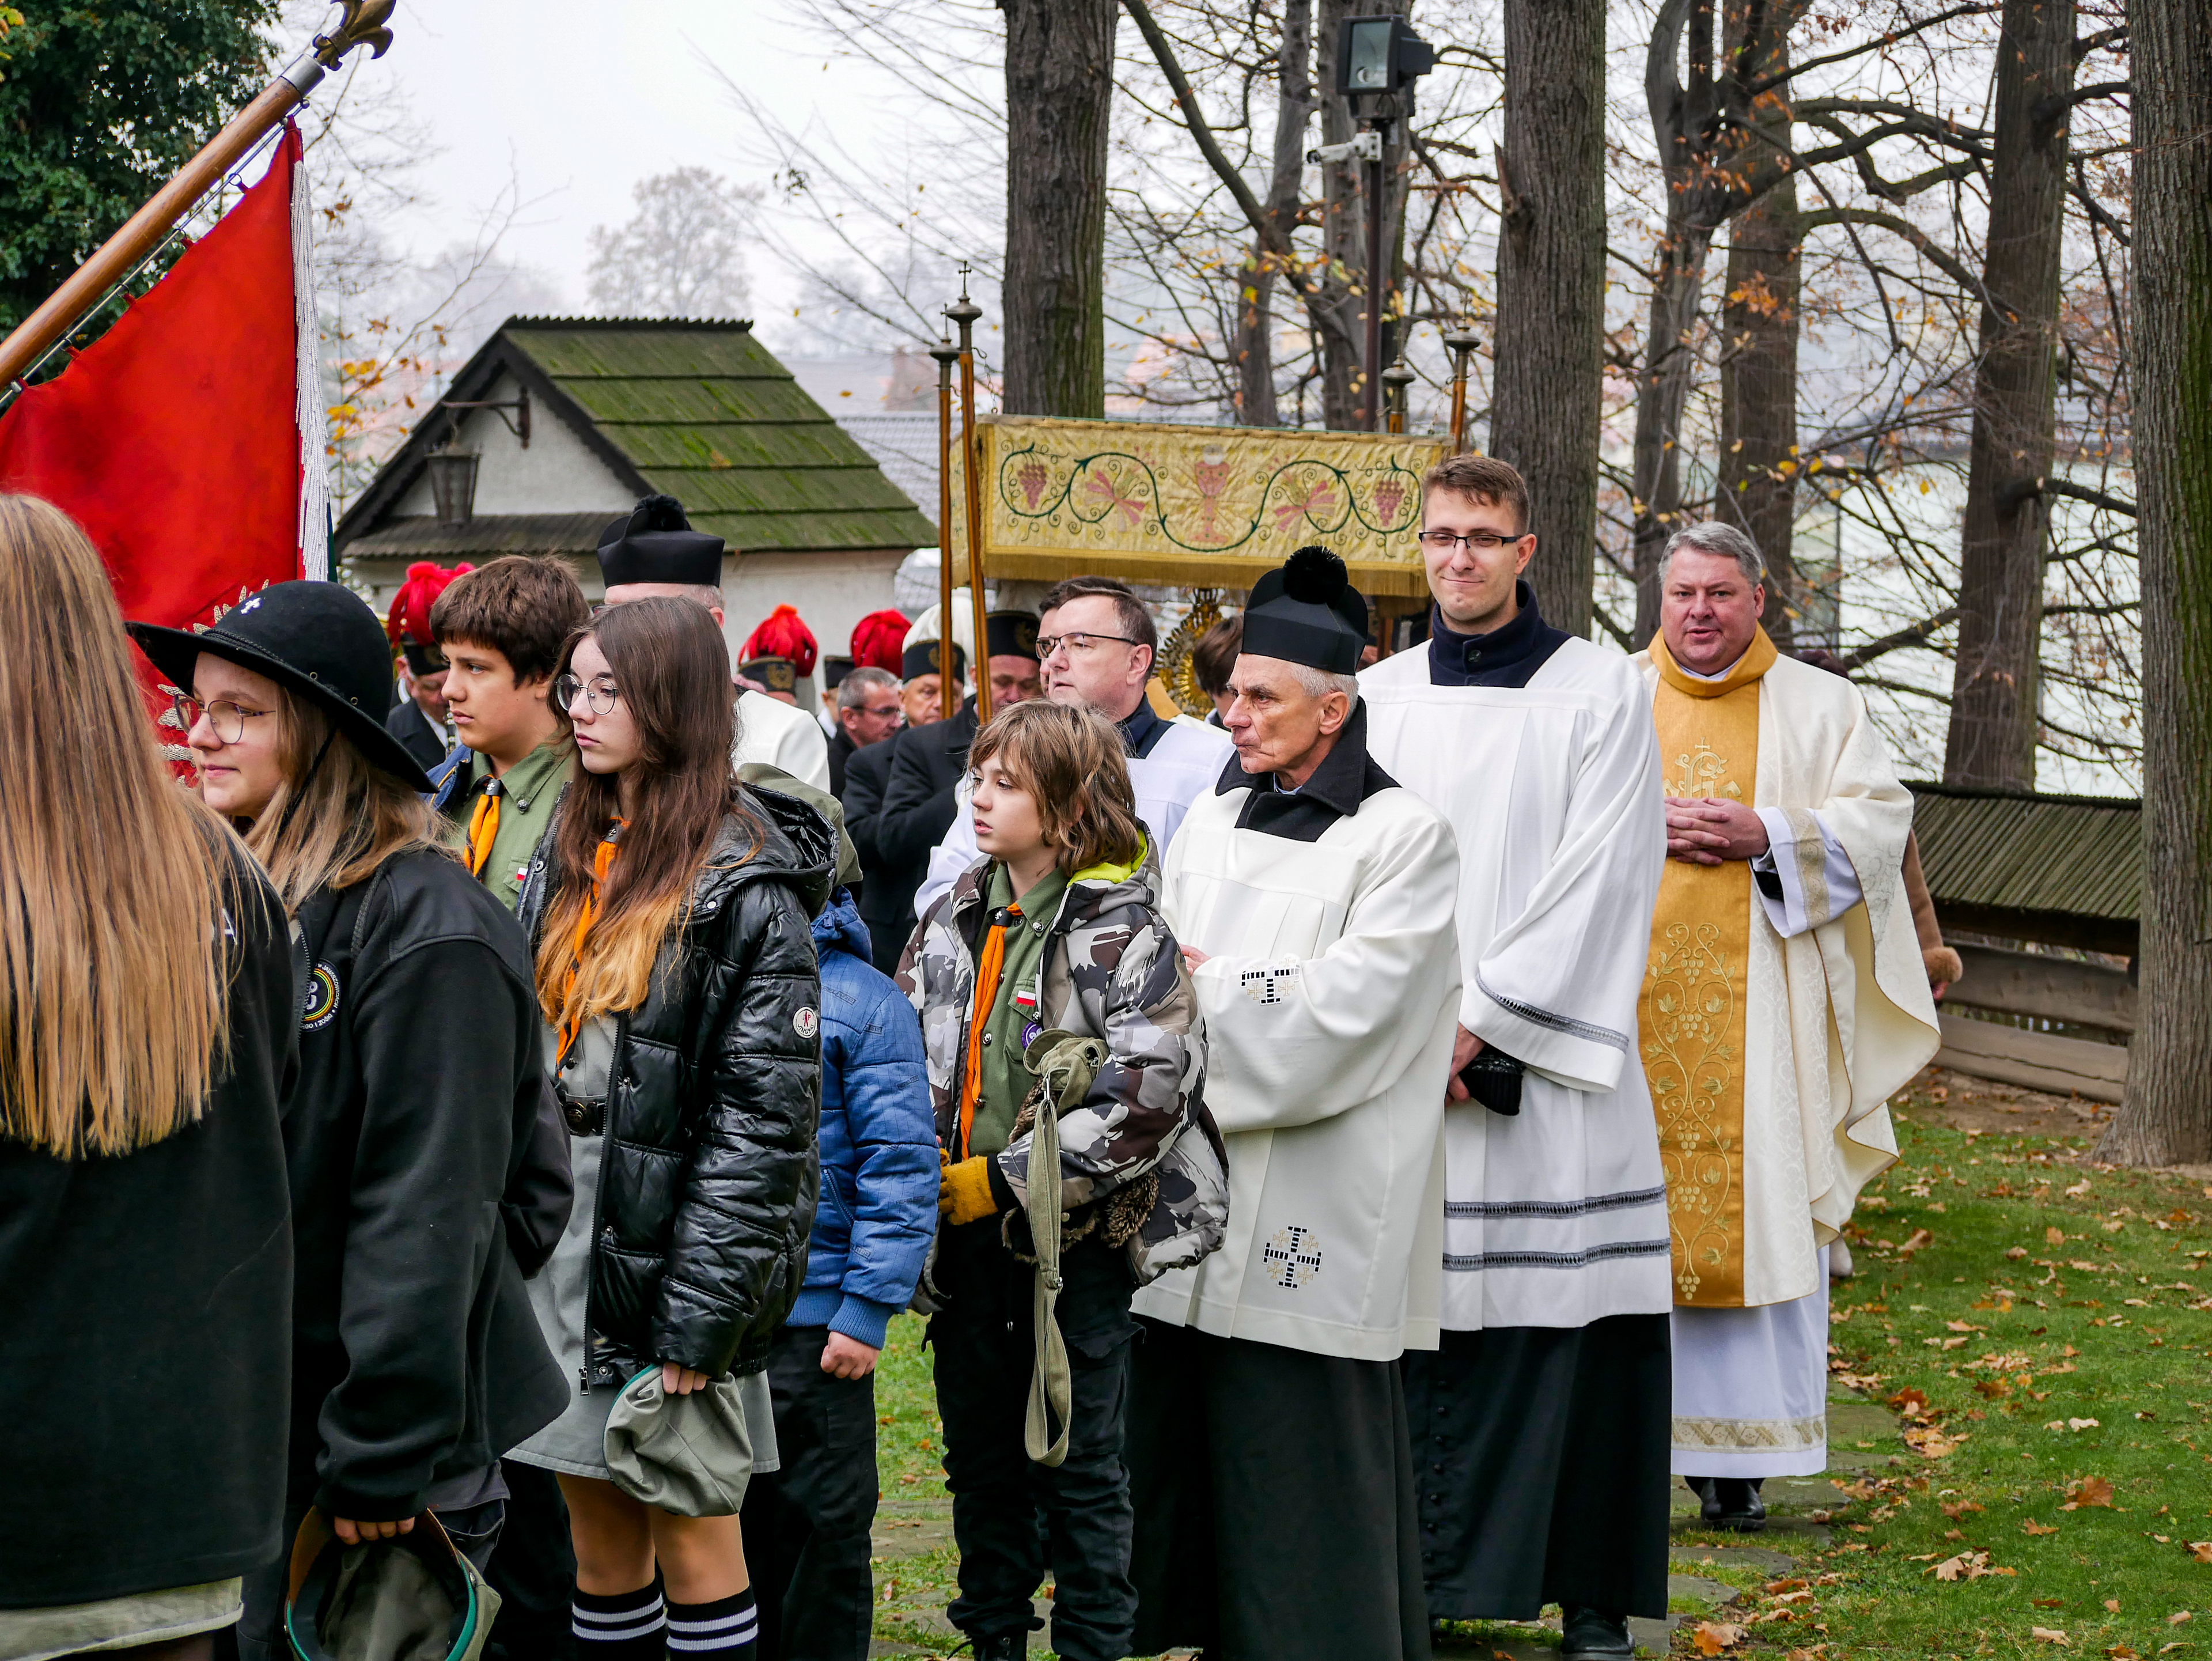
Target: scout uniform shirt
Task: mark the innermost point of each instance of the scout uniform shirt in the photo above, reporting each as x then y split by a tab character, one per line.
499	829
1012	1020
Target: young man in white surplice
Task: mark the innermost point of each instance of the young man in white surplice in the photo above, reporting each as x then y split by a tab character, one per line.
1268	1451
1541	1421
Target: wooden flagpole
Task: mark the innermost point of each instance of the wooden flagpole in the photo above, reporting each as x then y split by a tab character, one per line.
91	283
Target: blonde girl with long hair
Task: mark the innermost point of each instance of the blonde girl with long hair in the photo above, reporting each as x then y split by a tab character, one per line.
670	908
146	1023
416	1362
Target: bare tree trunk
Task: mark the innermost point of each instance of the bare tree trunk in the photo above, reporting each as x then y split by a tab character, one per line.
1993	699
1670	357
1060	87
1758	394
1548	388
1294	104
1756	489
2168	1117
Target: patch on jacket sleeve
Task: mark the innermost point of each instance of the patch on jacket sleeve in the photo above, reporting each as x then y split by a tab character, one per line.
807	1022
1273	984
1292	1257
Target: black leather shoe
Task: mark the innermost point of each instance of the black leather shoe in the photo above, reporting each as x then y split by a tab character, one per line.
1730	1502
1006	1646
1594	1635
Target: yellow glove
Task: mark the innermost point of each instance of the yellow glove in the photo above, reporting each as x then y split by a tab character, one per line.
964	1196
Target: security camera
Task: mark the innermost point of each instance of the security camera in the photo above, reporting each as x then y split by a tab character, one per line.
1360	147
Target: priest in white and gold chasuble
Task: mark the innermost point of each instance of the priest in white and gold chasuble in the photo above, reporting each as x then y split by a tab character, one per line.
1783	1002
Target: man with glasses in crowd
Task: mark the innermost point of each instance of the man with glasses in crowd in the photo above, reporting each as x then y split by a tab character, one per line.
1096	643
1541	1427
868	712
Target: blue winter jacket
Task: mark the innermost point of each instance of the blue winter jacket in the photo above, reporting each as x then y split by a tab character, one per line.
879	1176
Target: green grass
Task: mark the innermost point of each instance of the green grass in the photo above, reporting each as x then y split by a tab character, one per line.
2013	1340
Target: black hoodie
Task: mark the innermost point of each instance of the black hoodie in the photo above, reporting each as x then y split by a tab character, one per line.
417	1355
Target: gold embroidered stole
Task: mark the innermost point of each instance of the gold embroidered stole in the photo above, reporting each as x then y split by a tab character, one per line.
1690	1016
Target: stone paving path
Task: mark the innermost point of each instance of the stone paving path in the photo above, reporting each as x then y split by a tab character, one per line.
909	1529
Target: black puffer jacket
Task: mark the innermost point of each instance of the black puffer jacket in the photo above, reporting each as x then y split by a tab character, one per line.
708	1183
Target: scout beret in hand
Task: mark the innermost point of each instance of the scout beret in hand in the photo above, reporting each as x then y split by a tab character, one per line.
318	642
654	543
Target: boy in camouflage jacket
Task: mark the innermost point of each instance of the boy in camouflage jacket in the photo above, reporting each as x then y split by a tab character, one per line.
1077	948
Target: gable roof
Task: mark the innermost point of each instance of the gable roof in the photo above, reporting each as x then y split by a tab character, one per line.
698	410
2067	869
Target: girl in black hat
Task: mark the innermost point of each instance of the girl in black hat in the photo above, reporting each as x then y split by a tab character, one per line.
417	1362
146	1020
675	971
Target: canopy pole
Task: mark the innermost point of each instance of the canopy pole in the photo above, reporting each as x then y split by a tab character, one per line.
963	315
946	355
87	286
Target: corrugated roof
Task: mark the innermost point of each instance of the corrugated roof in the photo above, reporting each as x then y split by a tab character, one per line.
704	412
2011	850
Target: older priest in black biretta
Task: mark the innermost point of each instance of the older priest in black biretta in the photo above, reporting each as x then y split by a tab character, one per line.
1268	1450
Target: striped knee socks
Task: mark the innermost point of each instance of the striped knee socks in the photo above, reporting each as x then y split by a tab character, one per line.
626	1626
724	1630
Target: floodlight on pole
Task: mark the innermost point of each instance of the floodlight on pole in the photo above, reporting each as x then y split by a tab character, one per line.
1378	58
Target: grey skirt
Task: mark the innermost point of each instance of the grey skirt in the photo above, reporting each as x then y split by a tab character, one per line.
575	1443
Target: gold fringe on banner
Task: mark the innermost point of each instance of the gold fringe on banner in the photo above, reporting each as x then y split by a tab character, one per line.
1198	506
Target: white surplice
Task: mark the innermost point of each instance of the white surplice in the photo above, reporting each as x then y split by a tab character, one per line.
1328	991
1556	1217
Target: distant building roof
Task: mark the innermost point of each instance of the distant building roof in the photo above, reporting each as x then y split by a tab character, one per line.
700	411
2066	870
904	444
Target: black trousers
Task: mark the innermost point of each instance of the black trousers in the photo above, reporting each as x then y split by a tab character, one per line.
806	1526
1542	1456
1014	1519
1275	1493
534	1570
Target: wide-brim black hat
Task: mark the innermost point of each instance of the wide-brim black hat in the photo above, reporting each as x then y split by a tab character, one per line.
317	640
1009	634
654	543
1307	611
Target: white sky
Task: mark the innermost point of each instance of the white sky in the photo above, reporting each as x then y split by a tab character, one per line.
580	102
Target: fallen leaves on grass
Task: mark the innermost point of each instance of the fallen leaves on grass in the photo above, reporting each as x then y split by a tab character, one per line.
1715	1637
2054	1236
1909	1403
2200	1550
2017	1252
1956	1508
1967	1566
1930	1443
2031	1526
2089	1492
1919	1240
2049	1635
2049	1602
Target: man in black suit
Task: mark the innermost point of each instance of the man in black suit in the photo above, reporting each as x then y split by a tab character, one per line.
920	797
420	722
887	883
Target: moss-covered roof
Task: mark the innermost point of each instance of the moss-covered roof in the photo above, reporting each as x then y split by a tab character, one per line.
704	412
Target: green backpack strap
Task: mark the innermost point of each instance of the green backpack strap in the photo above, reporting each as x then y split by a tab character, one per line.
1064	1063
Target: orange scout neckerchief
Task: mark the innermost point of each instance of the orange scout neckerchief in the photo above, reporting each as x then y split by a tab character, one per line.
603	859
484	827
986	993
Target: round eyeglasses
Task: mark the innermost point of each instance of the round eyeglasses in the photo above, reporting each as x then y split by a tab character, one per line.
226	719
601	692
